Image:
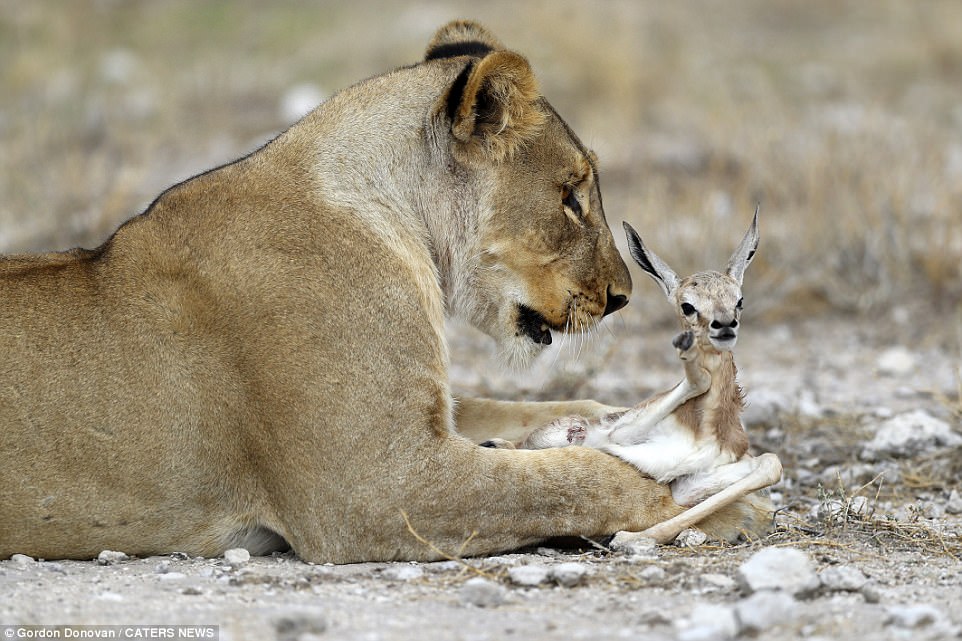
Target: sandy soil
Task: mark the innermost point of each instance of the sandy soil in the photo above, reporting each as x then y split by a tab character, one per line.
818	390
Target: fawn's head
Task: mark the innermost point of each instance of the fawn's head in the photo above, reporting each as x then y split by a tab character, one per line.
708	303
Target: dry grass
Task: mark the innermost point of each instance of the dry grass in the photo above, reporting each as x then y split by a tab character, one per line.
841	118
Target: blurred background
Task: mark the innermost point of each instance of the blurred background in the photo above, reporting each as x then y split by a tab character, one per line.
842	119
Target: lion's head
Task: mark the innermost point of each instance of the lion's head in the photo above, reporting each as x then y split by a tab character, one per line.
540	257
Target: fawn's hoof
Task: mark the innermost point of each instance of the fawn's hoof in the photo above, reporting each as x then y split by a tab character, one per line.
684	341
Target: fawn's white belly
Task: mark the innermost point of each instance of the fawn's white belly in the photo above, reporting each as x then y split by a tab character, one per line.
666	450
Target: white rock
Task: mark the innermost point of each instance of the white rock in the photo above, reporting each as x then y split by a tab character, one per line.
445	566
690	538
912	616
528	575
482	593
896	361
171	576
22	559
109	557
634	544
786	569
842	578
954	504
909	434
50	566
763	406
764	610
871	592
569	574
808	405
237	557
403	573
859	505
709	622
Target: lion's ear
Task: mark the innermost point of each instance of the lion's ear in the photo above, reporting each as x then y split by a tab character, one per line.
493	106
462	38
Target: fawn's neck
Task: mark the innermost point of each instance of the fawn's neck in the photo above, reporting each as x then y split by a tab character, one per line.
717	413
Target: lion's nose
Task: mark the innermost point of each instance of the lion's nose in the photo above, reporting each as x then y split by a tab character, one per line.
615	302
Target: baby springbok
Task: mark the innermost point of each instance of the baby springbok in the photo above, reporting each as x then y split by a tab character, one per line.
691	436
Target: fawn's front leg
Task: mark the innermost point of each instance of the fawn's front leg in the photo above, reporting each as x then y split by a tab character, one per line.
633	426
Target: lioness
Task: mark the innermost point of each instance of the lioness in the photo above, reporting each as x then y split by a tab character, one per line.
259	359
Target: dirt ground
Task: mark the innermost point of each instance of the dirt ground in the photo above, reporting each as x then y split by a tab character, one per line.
818	390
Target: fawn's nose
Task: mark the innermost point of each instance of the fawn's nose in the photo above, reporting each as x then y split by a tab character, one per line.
615	302
715	324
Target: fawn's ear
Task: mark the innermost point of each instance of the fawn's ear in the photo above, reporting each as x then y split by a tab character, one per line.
742	257
666	278
494	107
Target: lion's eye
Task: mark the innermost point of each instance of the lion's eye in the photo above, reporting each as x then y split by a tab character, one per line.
569	200
687	309
740	303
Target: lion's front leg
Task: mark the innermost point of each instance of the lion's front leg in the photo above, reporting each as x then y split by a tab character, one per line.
482	420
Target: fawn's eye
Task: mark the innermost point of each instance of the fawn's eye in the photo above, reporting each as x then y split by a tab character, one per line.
569	200
740	303
687	309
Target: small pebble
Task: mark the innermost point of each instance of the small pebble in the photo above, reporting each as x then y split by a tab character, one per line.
842	578
763	610
859	505
568	574
528	575
482	593
237	557
786	569
895	361
871	593
22	559
954	504
690	538
172	576
634	544
109	557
